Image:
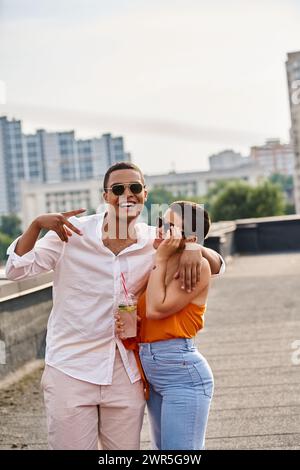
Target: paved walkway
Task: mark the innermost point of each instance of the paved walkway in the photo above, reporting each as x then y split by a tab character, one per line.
252	320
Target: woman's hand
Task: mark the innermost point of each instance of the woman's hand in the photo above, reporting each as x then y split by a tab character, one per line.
119	327
170	244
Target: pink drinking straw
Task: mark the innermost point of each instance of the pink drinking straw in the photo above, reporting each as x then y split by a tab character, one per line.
124	285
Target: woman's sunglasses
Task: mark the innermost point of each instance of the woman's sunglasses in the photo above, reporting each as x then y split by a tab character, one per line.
119	188
161	223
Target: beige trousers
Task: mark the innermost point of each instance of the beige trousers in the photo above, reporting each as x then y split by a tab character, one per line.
82	415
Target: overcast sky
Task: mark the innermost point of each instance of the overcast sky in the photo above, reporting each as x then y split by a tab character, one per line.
180	79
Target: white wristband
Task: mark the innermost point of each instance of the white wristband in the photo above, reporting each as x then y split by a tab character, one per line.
192	246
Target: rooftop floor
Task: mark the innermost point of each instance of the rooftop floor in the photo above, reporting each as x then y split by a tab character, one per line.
251	323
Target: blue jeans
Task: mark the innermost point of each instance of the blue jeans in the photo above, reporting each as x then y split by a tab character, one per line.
181	389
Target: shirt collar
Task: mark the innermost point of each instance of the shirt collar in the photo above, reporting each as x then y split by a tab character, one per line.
143	232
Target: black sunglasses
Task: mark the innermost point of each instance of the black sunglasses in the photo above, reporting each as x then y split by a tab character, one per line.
119	188
161	223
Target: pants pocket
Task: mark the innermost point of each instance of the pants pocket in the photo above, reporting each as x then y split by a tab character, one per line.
202	376
168	361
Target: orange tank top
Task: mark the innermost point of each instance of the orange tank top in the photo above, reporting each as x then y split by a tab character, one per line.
183	324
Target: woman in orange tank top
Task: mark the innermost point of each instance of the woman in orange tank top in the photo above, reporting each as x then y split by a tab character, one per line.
180	379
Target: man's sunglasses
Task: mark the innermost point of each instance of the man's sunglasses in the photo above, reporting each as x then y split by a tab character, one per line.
119	188
161	223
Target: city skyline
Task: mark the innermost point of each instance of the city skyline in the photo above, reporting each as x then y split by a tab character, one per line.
55	171
180	80
81	142
50	157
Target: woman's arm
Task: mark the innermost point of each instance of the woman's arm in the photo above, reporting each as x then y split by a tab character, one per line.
163	301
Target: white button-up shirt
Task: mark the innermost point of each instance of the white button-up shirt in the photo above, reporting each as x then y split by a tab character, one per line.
81	339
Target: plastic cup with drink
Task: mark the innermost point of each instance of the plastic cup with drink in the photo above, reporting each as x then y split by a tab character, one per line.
127	310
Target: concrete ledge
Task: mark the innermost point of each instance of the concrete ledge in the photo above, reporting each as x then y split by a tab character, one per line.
257	235
268	234
222	238
10	288
23	323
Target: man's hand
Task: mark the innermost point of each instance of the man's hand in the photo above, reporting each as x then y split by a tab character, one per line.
58	222
189	269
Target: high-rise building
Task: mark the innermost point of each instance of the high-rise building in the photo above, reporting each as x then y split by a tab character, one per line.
50	157
226	159
34	157
197	183
114	149
4	208
274	157
97	154
293	79
38	198
12	164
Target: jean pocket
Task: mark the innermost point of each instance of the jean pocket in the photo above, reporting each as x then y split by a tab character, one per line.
189	347
169	360
202	376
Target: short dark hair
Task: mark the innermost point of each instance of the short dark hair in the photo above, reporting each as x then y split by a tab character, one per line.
121	166
195	219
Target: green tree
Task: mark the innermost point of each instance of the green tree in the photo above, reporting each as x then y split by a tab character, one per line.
157	196
232	202
266	199
214	190
5	241
286	183
10	225
239	200
289	208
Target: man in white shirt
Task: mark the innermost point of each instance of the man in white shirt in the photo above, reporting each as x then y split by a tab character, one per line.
92	386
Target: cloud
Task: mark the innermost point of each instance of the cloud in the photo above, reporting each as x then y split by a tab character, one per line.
171	68
58	10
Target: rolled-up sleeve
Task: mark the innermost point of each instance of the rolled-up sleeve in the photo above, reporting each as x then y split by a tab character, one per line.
16	260
222	268
42	258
